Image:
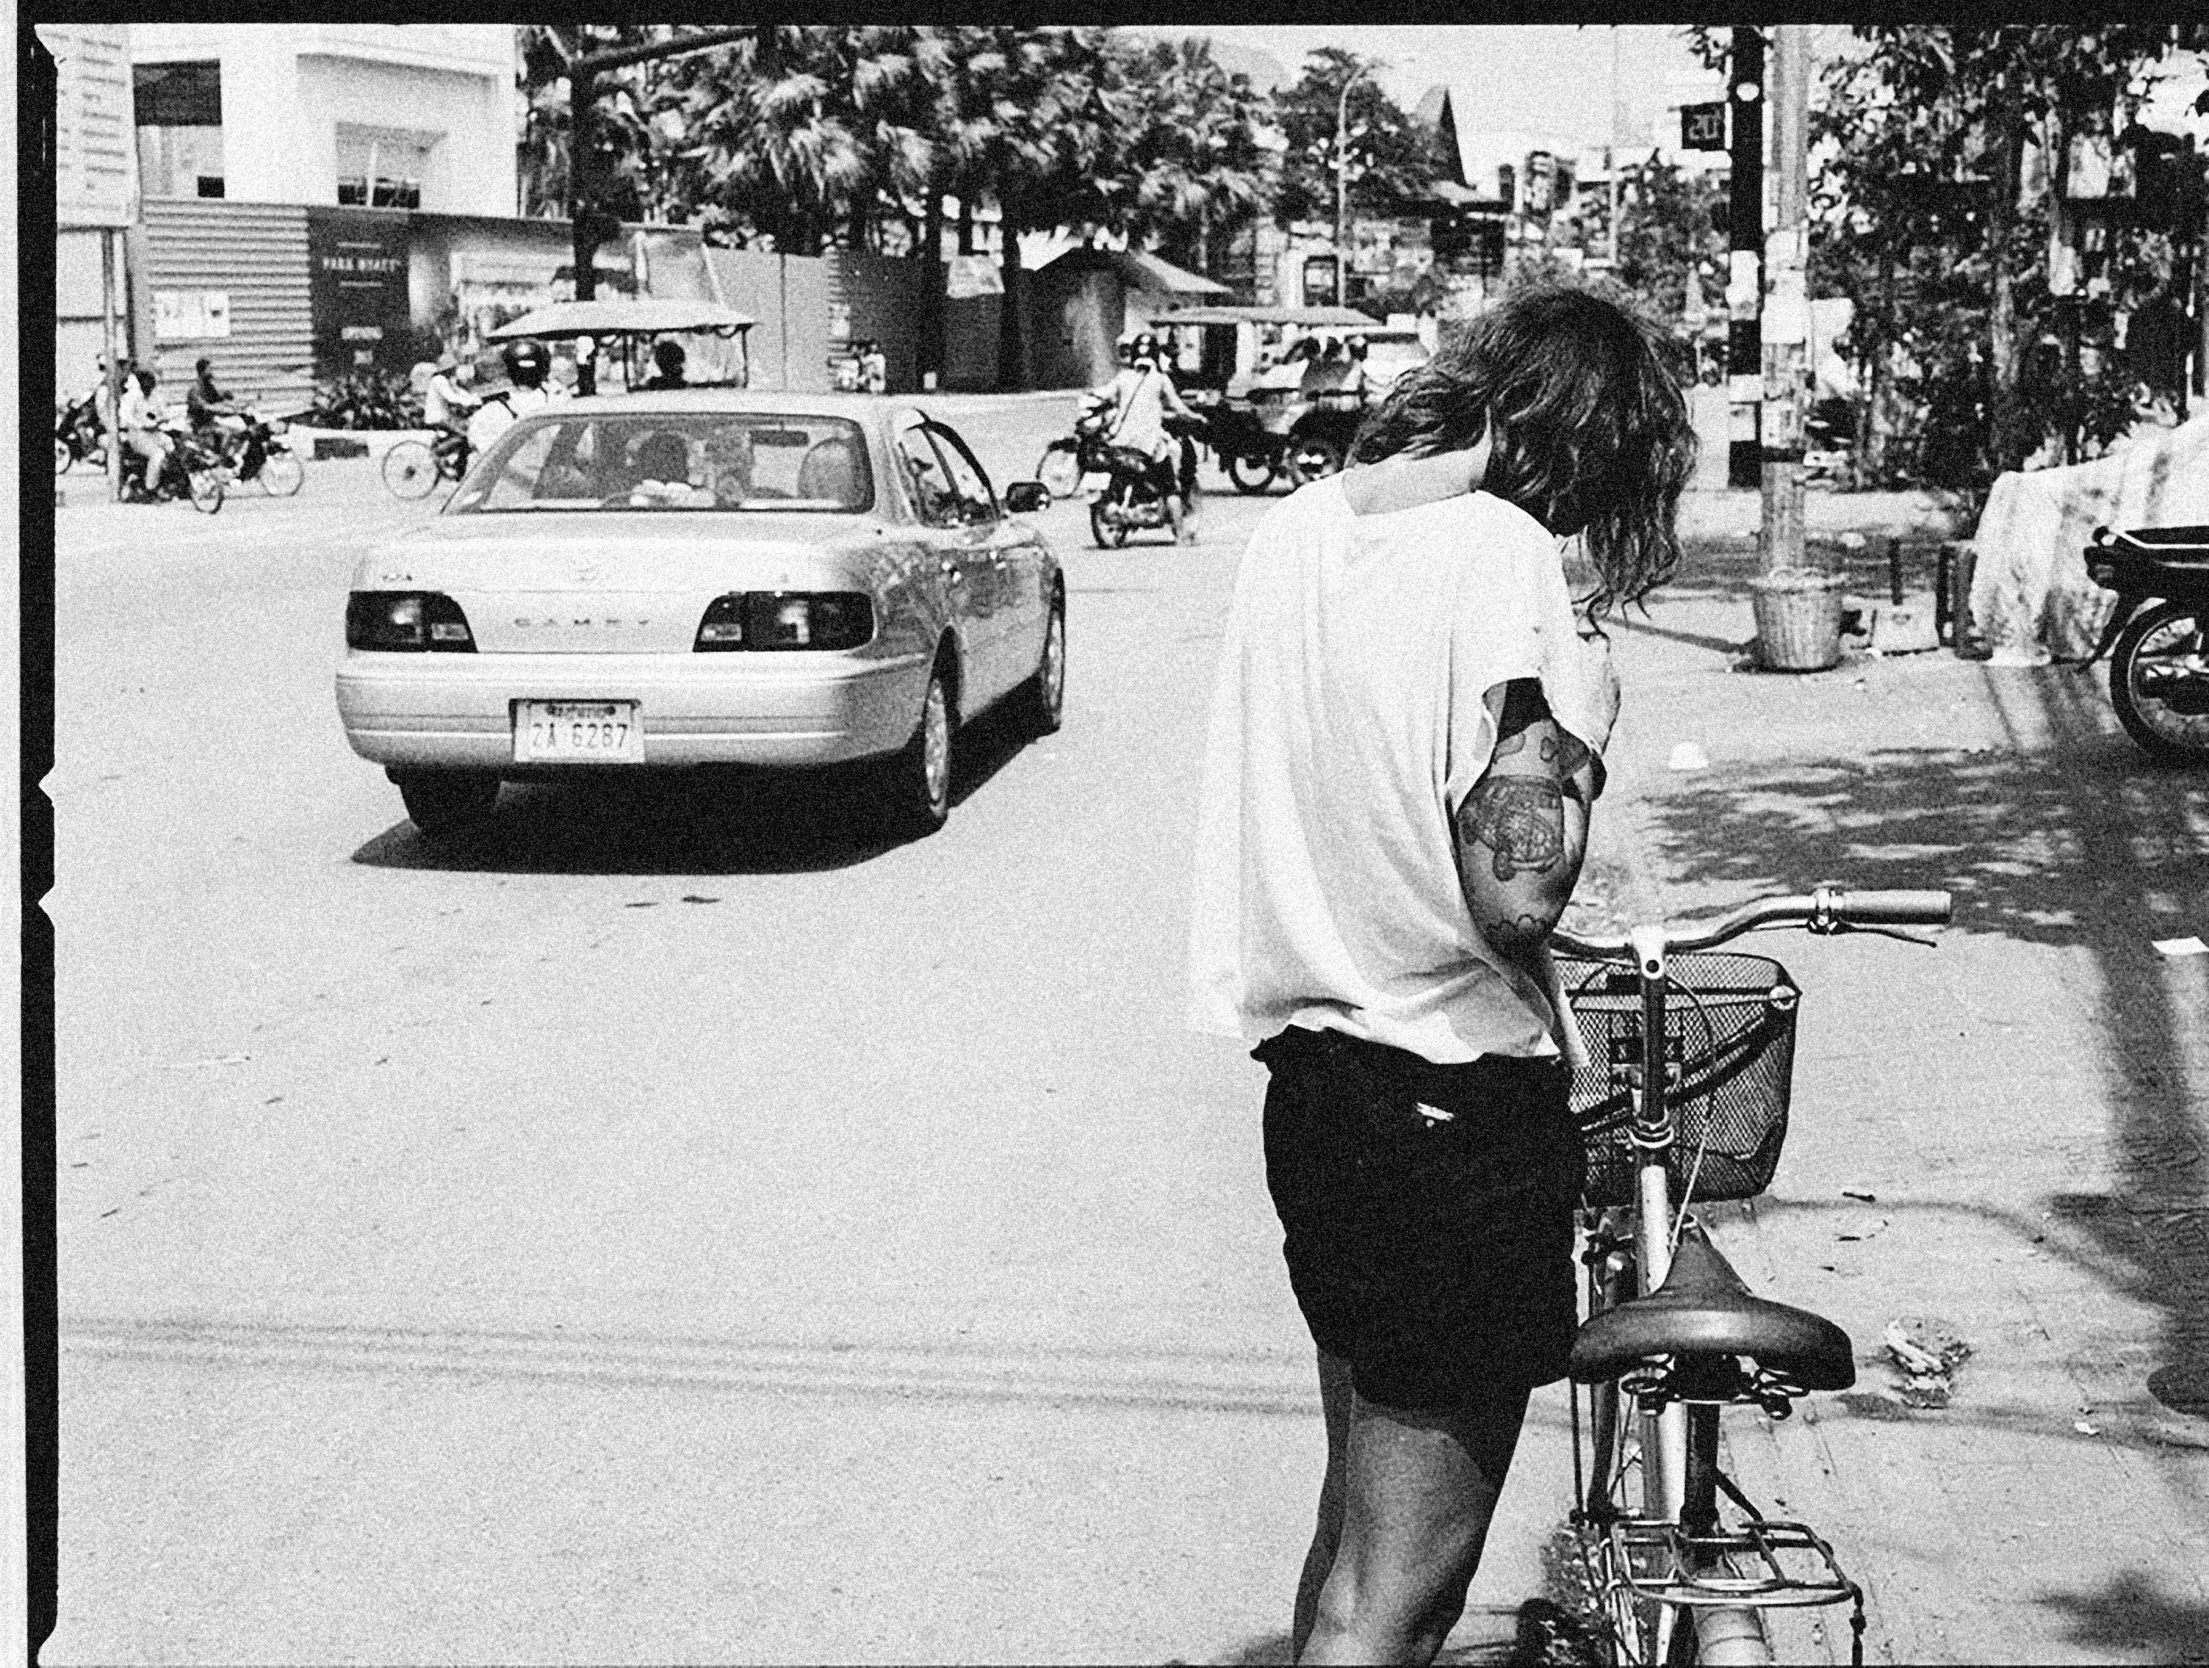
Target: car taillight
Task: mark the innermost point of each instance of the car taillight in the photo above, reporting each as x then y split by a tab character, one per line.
787	620
406	620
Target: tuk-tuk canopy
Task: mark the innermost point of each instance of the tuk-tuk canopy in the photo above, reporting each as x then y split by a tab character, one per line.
649	316
1303	318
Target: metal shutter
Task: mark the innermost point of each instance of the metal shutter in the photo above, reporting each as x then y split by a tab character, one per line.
256	254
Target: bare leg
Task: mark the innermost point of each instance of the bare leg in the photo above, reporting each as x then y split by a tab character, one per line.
1335	1399
1418	1490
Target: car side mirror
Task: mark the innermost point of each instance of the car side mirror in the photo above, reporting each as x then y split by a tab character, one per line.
1024	497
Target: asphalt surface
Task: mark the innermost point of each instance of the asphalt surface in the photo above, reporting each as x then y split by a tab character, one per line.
673	1230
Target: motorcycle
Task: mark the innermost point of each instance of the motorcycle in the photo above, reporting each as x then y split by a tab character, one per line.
193	470
2157	638
79	435
1118	482
1279	431
262	454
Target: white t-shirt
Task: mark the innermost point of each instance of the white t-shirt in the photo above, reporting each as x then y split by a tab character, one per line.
1356	705
1138	408
494	417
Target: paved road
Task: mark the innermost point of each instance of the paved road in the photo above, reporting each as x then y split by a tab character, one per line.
671	1231
674	1232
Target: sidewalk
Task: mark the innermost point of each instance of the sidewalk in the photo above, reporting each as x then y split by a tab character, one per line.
2005	1134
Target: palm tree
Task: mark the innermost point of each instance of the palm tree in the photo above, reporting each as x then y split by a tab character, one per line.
1195	167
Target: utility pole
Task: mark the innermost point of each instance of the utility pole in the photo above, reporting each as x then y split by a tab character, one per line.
1786	316
1745	275
1342	184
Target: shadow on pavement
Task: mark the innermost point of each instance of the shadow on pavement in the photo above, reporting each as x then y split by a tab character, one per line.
701	822
2131	1615
2075	839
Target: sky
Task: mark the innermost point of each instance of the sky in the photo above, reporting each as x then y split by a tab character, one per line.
1550	78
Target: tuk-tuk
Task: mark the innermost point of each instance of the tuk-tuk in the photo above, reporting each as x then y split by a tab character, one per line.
1260	420
634	324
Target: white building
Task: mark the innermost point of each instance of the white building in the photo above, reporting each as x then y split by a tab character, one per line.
95	191
376	115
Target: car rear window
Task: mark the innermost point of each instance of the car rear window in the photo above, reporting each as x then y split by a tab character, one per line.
687	461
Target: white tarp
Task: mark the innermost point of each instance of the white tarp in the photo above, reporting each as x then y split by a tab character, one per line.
2030	595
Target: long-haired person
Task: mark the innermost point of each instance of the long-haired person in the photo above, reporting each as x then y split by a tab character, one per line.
1405	747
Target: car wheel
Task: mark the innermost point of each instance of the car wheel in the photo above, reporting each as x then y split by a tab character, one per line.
207	490
446	802
282	474
1042	699
1251	473
63	457
409	471
916	789
1315	458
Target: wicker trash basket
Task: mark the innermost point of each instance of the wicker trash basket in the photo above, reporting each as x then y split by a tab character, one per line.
1798	619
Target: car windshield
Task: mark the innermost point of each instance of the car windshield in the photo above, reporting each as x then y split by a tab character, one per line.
674	461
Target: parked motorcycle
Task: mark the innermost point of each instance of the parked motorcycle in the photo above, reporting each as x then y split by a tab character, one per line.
2158	637
194	470
79	435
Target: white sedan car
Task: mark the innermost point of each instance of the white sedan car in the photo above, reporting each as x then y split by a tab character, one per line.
704	577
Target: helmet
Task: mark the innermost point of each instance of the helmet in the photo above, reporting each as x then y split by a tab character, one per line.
526	362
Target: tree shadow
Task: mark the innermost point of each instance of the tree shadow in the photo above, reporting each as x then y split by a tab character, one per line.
2069	838
2132	1614
705	821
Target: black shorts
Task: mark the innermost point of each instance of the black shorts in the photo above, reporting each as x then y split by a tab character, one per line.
1433	1254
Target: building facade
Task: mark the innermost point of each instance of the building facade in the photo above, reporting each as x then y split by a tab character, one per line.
414	116
96	194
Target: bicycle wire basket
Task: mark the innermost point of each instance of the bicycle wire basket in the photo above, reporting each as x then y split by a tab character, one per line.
1730	1044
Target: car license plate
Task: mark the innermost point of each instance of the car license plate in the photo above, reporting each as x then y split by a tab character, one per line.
578	732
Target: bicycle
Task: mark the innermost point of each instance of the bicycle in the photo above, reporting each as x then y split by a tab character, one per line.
413	468
1683	1103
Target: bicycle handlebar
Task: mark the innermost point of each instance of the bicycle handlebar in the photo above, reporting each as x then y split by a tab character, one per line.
1829	909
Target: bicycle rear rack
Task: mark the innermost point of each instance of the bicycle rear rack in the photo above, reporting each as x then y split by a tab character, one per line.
1756	1563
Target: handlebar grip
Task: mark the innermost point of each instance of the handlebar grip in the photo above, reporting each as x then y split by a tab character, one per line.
1896	909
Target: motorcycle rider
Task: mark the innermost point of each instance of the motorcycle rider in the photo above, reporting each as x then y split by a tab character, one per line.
528	364
213	414
139	423
1140	396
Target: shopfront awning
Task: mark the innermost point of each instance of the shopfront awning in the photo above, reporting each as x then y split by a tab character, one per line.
649	316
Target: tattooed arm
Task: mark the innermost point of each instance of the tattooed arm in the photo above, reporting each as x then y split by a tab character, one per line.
1523	829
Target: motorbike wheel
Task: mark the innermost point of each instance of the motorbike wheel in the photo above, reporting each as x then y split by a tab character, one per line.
2159	681
64	456
1315	458
1109	534
1059	470
1252	473
207	489
282	474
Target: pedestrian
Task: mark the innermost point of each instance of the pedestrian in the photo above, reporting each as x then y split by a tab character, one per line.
139	423
668	361
1405	742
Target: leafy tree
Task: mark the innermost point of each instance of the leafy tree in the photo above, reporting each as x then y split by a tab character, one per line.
1191	169
1924	217
1391	163
1670	237
625	143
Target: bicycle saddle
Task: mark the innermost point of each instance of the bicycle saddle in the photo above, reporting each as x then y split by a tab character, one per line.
1702	1308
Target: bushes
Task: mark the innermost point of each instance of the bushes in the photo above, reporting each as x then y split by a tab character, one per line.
369	400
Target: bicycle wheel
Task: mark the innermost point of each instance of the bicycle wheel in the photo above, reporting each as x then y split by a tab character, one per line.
207	489
282	474
409	471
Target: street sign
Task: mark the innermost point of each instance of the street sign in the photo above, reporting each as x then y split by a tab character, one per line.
1702	127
